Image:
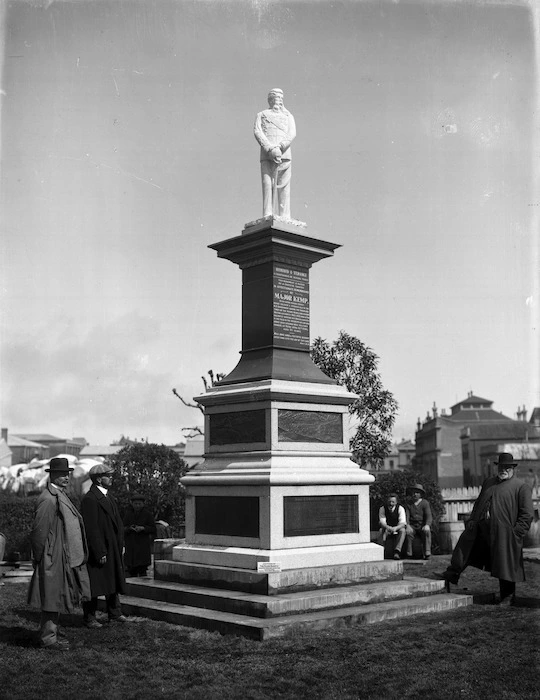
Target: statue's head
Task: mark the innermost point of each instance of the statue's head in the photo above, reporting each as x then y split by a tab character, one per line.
275	97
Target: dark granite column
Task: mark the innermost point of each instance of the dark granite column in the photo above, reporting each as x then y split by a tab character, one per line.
275	261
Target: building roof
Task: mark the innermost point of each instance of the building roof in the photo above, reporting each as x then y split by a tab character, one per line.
472	399
484	414
40	437
406	445
507	430
520	450
101	450
18	441
535	415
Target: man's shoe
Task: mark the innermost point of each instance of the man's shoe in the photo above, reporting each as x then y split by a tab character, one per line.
427	556
92	624
397	555
507	602
120	618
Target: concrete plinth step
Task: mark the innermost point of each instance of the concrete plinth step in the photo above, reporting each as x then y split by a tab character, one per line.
265	628
257	605
289	580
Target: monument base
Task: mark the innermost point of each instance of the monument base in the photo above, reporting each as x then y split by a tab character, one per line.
282	559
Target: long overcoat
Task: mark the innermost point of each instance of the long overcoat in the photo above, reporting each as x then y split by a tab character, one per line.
139	544
510	511
105	534
55	585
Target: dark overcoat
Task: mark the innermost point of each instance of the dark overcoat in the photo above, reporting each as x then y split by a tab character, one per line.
139	544
510	513
105	534
55	586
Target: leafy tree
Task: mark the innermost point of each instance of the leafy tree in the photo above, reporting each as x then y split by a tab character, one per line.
155	471
351	363
398	482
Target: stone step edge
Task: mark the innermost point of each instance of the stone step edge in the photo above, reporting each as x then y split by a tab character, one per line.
261	628
418	586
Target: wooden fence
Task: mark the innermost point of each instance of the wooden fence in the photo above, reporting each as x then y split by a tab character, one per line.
458	502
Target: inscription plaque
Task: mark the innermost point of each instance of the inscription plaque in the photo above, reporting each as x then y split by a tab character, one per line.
319	515
309	426
236	516
291	306
238	427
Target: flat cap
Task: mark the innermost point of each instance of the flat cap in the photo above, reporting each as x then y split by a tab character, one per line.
100	470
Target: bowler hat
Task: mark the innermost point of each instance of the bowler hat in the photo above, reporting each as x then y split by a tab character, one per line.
505	459
59	465
101	470
416	487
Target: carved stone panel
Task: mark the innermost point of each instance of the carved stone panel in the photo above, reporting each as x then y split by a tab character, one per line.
319	515
310	426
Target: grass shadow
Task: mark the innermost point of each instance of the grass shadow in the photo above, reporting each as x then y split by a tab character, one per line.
522	602
17	636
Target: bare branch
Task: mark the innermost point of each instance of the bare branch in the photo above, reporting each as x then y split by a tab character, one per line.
187	403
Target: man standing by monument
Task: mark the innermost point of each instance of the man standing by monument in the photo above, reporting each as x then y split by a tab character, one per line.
275	130
493	537
105	532
59	552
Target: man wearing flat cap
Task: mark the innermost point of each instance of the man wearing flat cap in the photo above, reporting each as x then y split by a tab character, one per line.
105	533
493	536
419	519
59	552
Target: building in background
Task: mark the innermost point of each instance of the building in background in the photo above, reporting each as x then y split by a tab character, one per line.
50	445
526	453
448	444
401	456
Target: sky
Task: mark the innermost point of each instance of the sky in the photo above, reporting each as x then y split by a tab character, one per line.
127	149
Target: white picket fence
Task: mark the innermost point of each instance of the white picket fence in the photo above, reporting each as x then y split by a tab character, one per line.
458	502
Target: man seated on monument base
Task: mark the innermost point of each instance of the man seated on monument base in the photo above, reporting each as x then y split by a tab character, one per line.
393	524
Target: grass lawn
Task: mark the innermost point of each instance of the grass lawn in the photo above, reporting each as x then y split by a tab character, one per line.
476	652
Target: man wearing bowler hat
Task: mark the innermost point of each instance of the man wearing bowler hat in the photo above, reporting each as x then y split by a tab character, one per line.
419	519
59	551
493	536
105	532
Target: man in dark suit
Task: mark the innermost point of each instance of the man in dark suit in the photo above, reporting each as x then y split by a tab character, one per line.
105	534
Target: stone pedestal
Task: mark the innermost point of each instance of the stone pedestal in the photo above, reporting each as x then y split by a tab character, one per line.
277	490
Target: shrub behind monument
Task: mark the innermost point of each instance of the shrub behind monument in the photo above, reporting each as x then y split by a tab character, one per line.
155	471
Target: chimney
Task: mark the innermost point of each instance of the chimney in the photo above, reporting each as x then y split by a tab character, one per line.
4	434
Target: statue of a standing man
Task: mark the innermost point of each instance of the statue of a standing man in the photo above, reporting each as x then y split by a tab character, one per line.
275	130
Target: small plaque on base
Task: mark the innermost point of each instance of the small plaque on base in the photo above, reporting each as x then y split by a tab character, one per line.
268	567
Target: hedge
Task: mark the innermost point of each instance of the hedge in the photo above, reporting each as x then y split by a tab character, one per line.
16	517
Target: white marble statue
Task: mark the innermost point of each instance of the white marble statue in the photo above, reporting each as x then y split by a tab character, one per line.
275	130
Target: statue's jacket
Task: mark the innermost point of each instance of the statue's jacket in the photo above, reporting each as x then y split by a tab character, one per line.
275	128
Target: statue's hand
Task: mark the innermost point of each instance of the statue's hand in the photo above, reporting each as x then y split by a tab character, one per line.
276	154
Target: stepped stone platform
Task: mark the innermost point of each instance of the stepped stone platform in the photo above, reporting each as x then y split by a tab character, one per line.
381	591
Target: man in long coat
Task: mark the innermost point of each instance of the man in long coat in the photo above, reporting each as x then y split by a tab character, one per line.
140	531
493	537
59	551
105	533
